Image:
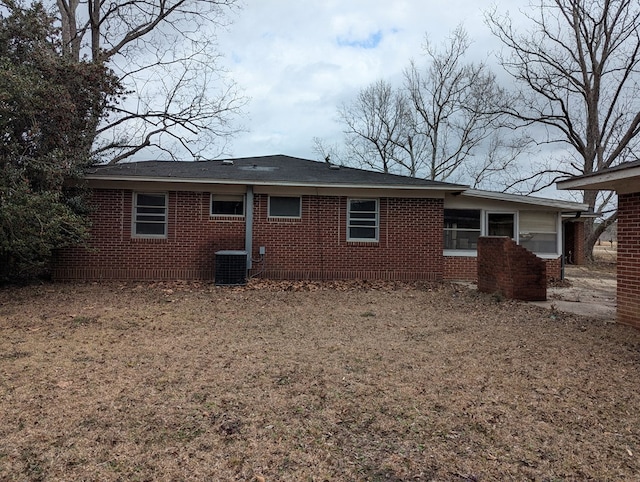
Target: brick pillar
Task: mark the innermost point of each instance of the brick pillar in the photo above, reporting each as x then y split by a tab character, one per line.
574	242
578	247
508	268
629	259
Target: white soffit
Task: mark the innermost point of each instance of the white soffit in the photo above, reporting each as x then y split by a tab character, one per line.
557	204
103	181
621	180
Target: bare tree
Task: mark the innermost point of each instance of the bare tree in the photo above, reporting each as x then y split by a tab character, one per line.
375	125
578	70
454	104
494	169
330	153
442	123
164	52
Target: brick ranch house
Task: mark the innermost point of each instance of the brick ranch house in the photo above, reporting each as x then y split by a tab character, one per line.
298	219
625	180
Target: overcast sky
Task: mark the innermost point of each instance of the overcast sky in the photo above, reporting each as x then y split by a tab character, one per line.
298	61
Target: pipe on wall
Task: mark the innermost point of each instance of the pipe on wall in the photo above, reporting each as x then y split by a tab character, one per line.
248	232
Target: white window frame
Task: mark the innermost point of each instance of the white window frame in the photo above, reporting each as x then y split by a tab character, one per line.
376	220
480	230
515	222
227	197
279	216
484	231
558	232
135	221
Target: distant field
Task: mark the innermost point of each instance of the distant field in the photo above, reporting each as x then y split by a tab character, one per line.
606	252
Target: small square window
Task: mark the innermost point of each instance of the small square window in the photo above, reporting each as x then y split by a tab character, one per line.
150	215
227	205
362	220
284	207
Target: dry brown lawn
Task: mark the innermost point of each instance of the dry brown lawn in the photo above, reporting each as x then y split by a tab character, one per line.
310	382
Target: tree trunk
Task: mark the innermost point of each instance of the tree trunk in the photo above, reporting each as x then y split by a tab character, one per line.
70	38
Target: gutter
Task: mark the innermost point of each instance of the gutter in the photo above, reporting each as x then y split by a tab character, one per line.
416	187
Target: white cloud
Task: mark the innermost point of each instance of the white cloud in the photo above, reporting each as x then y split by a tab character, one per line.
298	61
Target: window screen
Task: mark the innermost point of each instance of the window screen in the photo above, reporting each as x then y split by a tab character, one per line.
538	231
461	229
362	220
227	205
284	207
150	215
501	224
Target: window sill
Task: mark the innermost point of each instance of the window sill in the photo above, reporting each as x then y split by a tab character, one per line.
547	255
149	238
222	217
283	219
463	253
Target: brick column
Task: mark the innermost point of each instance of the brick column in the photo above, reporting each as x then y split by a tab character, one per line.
508	268
629	259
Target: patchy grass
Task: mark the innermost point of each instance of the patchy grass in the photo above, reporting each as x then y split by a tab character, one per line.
293	382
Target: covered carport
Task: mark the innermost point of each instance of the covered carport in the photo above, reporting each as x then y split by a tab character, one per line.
625	180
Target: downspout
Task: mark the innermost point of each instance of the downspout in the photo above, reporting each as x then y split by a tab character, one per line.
248	231
563	254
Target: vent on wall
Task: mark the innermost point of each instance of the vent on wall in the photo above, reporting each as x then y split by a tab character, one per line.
231	268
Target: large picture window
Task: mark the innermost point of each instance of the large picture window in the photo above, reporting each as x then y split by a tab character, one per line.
538	231
461	229
150	215
227	205
362	220
535	230
284	207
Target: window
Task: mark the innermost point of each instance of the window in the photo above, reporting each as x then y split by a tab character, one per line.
501	224
362	220
538	231
284	207
150	215
461	229
227	205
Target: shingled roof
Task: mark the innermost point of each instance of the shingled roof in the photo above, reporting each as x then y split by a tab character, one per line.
263	170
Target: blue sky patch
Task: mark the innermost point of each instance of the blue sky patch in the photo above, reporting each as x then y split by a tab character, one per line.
371	42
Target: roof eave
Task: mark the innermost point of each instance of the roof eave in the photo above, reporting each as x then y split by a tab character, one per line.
248	182
554	203
601	180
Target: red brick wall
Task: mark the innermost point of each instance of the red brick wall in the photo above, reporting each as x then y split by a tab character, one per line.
554	269
313	247
578	249
629	259
316	246
188	252
461	268
465	268
574	242
506	267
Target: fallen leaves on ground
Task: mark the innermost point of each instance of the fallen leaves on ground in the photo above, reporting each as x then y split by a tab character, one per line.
289	381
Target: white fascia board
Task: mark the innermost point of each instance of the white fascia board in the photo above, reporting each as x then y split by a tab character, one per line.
621	180
171	180
571	216
530	200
